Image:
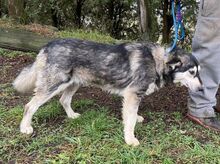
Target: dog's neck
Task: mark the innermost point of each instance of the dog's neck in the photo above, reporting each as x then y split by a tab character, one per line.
163	75
164	79
159	58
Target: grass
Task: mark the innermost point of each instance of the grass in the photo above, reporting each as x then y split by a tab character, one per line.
97	137
87	35
11	54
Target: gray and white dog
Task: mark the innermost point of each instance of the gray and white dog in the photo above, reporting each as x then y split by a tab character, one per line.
130	70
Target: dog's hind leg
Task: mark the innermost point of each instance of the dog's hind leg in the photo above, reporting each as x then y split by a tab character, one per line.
42	95
66	99
129	112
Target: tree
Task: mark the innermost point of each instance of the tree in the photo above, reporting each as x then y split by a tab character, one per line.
16	9
144	18
148	20
0	8
115	11
67	13
167	22
125	19
78	13
117	18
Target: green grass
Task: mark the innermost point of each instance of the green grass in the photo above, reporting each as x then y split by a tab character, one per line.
10	53
88	35
97	137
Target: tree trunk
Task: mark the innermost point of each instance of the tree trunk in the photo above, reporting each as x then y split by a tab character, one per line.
78	13
144	18
167	22
16	8
54	18
0	8
143	15
117	20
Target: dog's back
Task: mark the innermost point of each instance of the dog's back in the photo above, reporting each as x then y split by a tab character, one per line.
112	67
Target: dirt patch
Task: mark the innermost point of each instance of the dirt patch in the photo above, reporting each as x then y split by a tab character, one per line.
169	99
11	66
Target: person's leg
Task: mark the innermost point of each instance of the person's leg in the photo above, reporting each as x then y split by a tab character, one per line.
201	103
206	48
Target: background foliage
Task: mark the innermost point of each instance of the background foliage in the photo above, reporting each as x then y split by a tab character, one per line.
119	19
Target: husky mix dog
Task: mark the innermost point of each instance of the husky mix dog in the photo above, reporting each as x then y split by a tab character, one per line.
130	70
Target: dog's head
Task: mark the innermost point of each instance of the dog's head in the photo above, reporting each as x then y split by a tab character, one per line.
184	68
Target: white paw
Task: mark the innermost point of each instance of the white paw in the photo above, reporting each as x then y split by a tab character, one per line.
140	118
132	141
73	115
26	129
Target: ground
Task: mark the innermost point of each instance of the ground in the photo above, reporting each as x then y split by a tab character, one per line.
166	135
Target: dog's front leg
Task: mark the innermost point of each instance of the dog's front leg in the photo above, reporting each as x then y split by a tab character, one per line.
129	112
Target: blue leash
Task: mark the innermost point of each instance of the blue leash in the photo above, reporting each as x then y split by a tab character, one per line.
178	24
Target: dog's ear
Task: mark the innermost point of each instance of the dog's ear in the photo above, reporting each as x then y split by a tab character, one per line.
174	63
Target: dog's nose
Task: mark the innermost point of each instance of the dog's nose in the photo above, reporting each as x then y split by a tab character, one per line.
201	88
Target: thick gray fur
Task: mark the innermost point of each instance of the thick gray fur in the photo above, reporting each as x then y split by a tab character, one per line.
130	70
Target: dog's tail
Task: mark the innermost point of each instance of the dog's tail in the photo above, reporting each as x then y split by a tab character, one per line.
25	81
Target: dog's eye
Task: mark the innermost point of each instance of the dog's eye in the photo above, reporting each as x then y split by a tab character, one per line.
170	68
192	72
173	67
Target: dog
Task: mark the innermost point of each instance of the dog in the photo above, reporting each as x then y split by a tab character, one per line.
130	70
